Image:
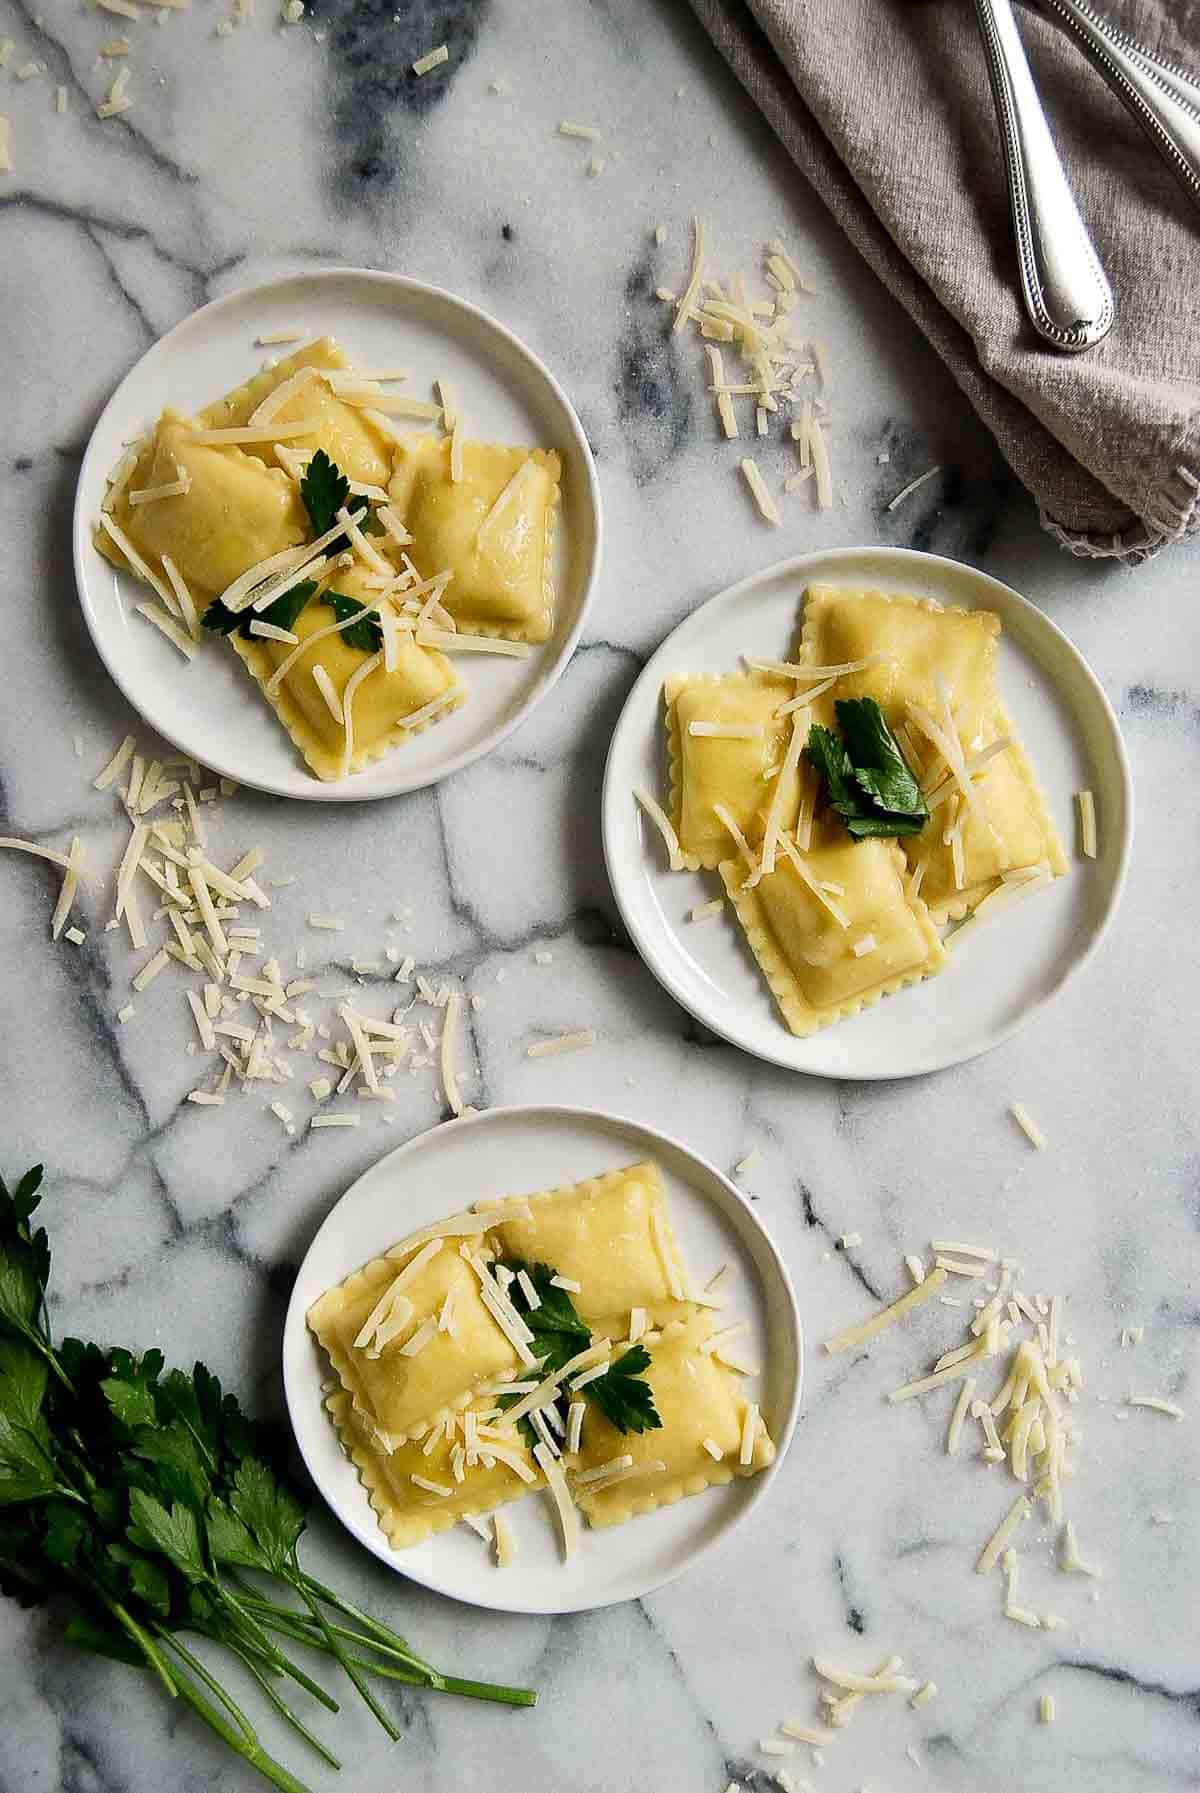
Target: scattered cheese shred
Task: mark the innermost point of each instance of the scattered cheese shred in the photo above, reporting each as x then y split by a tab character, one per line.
334	1120
433	59
568	1517
658	816
767	506
505	1543
1087	823
1028	1126
914	485
567	1042
1020	1510
858	1335
1156	1404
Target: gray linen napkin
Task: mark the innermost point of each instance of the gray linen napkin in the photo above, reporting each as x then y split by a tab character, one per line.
885	107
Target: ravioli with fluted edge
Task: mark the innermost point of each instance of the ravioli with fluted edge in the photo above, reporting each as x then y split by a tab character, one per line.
490	521
824	955
726	743
348	558
378	709
613	1235
855	797
710	1433
544	1341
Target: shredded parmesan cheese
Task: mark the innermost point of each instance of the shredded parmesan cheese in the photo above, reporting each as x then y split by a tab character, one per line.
858	1335
1087	823
661	822
1028	1126
433	59
760	492
567	1042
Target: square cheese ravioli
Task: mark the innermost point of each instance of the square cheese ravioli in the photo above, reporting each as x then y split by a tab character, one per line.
402	1371
734	768
422	685
914	648
1006	829
804	921
426	1485
613	1236
349	436
236	511
699	1402
492	528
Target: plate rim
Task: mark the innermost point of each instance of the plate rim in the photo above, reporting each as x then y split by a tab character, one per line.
295	1325
798	566
342	791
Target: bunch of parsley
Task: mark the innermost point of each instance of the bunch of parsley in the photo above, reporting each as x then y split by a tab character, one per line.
156	1508
559	1334
324	490
866	777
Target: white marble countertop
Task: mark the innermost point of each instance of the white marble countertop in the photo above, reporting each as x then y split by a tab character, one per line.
276	148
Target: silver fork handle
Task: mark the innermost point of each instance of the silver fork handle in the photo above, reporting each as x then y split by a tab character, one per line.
1164	99
1064	287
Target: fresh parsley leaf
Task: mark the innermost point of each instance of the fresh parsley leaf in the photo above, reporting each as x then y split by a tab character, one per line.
24	1259
866	778
23	1378
558	1332
26	1467
282	613
324	490
177	1460
625	1400
145	1577
366	636
174	1534
67	1532
230	1541
24	1572
269	1511
25	1197
129	1391
880	768
826	753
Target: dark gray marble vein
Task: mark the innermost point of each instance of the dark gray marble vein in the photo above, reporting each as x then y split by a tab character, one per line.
653	386
372	45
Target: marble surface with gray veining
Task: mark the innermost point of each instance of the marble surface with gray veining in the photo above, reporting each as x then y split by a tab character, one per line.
272	148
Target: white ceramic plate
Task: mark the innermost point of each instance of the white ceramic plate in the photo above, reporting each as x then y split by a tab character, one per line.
997	978
517	1150
209	709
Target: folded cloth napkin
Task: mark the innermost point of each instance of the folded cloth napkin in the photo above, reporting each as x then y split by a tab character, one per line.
885	106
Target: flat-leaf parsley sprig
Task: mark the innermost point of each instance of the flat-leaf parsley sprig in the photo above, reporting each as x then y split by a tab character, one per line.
149	1500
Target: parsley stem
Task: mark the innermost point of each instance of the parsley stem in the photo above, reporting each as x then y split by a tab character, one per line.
210	1681
493	1691
253	1753
350	1611
336	1649
282	1707
272	1651
129	1625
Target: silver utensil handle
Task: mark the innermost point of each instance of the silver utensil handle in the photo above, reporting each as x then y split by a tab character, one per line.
1164	99
1064	287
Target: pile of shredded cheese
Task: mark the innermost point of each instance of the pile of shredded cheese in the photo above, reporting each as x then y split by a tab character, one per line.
1024	1423
189	912
780	375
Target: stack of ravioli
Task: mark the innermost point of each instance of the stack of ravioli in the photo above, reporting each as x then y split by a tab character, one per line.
477	518
835	922
438	1379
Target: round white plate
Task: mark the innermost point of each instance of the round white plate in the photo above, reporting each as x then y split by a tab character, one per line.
999	976
517	1150
209	709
